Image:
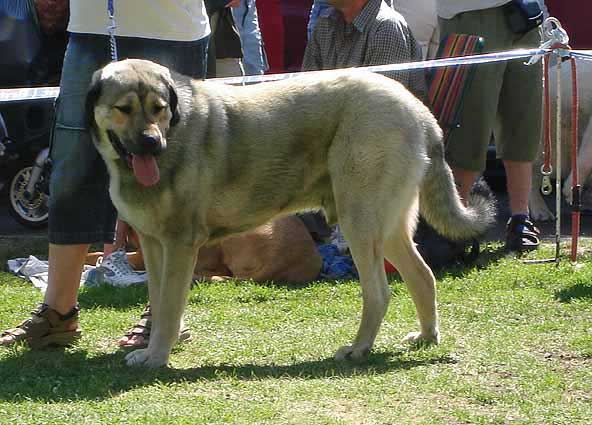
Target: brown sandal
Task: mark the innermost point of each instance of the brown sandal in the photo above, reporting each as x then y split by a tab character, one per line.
46	327
139	335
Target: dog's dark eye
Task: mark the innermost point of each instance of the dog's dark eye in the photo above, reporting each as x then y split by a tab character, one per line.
159	108
125	109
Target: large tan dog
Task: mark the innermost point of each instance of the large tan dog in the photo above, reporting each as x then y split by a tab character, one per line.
194	162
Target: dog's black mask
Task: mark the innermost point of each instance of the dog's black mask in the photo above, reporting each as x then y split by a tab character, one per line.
94	92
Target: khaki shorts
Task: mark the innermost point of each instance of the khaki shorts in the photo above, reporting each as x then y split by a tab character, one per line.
510	91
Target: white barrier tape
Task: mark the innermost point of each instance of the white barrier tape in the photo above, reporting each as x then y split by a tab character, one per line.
582	54
28	93
50	93
409	66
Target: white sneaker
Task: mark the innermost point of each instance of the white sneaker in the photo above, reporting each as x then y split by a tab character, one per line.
338	240
115	270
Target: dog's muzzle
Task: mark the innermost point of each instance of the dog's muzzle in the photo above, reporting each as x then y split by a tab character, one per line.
149	144
143	163
123	153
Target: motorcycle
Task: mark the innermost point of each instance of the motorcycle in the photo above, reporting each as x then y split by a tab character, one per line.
32	56
26	168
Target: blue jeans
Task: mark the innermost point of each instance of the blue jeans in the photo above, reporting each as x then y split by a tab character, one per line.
80	210
317	7
247	23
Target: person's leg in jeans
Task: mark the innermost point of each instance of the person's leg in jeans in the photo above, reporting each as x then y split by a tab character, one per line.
81	212
247	22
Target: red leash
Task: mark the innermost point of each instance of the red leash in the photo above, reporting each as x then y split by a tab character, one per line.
576	205
546	168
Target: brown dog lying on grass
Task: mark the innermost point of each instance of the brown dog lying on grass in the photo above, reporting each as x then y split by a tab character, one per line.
280	251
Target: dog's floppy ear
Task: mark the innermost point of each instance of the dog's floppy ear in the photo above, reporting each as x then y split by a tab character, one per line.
92	96
173	101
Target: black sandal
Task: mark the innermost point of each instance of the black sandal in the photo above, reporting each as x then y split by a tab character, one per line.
522	234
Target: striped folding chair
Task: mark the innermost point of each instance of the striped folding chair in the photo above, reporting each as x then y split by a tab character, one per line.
447	85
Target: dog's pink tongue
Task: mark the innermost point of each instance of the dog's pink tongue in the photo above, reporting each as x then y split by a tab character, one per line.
145	169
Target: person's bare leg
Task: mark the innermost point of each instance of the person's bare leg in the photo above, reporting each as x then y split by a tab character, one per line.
122	230
519	181
65	268
464	182
522	234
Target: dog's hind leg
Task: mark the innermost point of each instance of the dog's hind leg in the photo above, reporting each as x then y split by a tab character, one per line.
400	250
169	290
365	244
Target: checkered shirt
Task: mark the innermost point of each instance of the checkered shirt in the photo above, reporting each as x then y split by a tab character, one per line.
377	36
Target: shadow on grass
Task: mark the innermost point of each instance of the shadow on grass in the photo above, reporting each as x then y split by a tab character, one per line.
490	254
575	292
107	296
59	375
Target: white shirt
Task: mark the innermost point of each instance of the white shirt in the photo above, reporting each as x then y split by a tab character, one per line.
175	20
423	21
449	8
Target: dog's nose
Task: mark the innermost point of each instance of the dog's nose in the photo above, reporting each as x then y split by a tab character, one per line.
150	143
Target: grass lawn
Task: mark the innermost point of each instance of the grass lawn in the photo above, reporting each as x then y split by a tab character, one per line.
516	348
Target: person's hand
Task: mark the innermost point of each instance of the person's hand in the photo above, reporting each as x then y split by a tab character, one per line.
233	3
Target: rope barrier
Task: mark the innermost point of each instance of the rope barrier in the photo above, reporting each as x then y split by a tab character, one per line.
48	93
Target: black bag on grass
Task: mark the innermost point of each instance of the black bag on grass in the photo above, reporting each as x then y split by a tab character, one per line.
440	252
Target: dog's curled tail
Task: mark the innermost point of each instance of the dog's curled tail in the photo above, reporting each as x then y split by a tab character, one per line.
440	203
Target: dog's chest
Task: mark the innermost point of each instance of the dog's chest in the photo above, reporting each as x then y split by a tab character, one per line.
132	206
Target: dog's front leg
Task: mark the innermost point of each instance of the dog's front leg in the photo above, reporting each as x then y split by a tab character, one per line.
168	290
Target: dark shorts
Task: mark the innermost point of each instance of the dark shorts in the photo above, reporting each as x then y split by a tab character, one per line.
80	210
505	97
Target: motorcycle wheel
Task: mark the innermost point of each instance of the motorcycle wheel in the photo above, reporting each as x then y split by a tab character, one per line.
32	212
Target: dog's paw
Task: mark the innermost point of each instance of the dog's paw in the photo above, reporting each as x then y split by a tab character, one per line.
418	339
143	357
355	352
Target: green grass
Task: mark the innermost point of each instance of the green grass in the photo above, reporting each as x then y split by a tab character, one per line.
516	348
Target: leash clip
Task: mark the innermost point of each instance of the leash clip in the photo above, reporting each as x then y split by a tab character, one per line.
555	38
546	186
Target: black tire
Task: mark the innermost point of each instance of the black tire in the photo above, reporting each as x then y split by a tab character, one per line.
31	213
